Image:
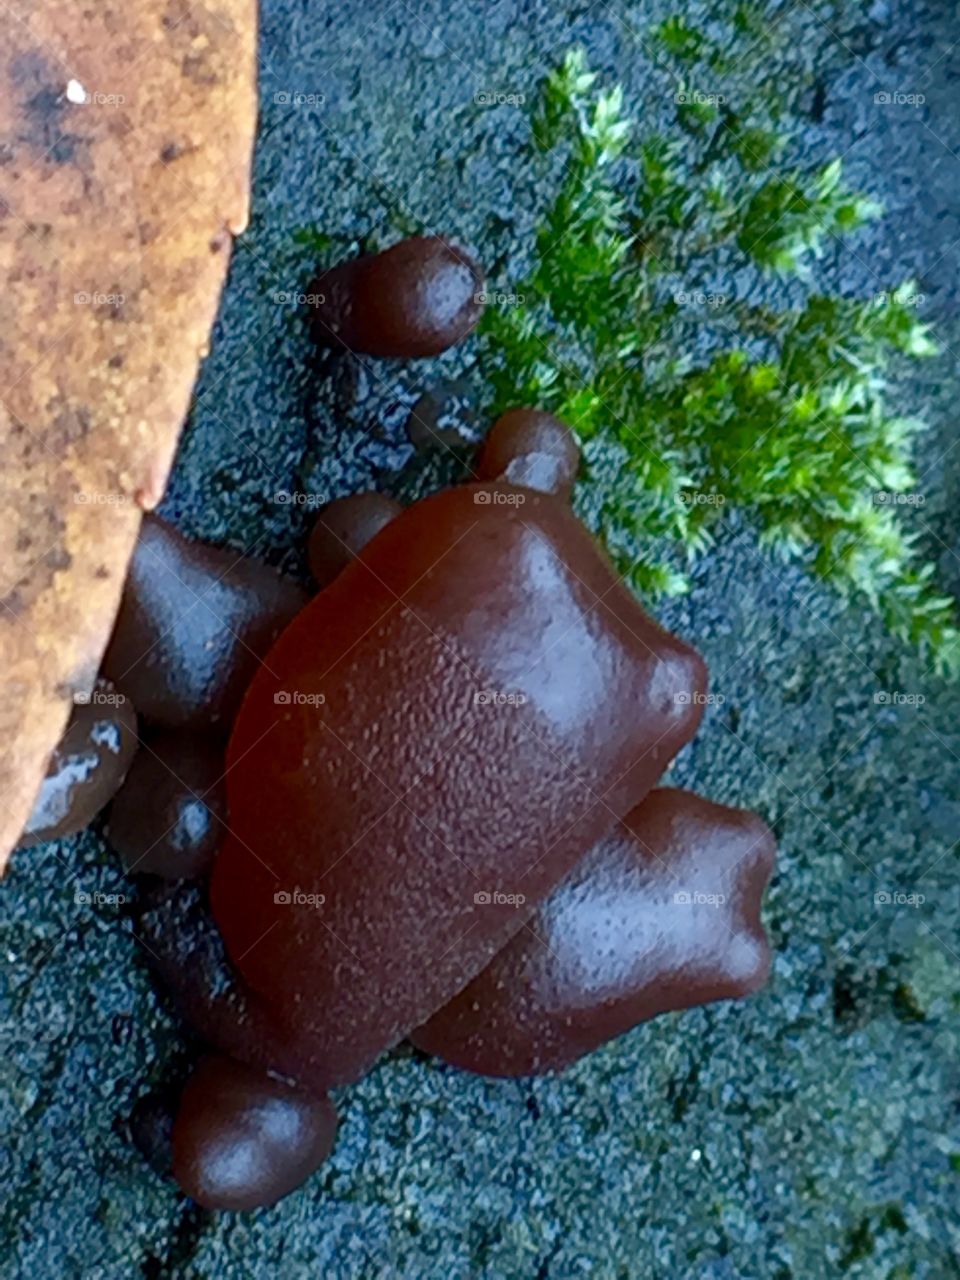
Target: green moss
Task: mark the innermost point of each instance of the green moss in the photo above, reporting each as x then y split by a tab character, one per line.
691	403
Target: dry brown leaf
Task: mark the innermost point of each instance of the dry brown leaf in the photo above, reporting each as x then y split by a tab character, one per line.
125	138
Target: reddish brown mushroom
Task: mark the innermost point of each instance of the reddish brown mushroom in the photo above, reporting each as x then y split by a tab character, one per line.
439	823
243	1139
414	299
663	913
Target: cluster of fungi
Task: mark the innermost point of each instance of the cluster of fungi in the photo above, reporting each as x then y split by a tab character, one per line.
418	803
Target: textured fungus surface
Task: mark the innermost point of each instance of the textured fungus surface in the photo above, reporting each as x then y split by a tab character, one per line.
662	913
430	745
